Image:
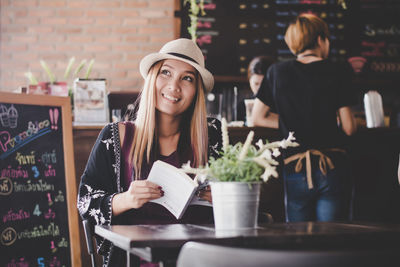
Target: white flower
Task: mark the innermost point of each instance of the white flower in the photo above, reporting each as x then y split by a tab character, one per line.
246	145
260	144
269	171
225	136
289	142
198	171
234	158
276	152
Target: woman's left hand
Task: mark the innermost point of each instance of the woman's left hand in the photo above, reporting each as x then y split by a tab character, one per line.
205	194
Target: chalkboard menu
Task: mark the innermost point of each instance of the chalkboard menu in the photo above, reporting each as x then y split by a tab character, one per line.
230	33
375	38
39	223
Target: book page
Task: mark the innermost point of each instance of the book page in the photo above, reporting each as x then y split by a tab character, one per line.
178	187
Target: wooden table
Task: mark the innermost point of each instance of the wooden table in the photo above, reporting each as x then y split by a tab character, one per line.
161	243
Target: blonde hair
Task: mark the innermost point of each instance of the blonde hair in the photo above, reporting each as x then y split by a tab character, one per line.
303	33
146	125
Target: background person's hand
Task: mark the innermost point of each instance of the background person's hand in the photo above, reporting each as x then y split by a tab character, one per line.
205	194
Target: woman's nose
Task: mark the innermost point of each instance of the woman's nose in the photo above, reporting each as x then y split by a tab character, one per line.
174	85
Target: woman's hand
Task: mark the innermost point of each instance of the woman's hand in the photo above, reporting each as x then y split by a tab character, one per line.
139	193
205	194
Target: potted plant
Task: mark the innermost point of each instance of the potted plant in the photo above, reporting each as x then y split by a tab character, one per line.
236	176
52	86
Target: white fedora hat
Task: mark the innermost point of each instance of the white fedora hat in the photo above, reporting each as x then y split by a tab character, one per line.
184	50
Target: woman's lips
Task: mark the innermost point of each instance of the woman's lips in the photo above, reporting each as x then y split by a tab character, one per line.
170	97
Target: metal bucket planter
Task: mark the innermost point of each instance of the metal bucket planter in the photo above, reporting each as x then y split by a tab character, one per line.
235	205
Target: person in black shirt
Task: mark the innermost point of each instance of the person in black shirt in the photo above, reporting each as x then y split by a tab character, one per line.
255	73
312	98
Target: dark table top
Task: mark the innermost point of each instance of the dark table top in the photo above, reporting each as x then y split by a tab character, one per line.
159	242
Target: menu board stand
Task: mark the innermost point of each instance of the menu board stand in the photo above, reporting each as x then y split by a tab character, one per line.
39	219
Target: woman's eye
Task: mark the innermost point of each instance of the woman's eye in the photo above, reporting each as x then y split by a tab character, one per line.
188	78
165	72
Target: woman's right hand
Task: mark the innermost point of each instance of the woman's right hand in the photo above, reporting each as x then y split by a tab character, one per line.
139	193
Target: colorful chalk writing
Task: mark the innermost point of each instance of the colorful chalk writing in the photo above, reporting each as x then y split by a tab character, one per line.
40	262
233	30
21	262
52	247
14	173
63	243
37	211
25	159
34	131
8	236
59	197
54	262
8	116
50	171
50	214
30	186
357	29
6	186
49	199
33	209
15	216
40	231
49	157
373	30
36	172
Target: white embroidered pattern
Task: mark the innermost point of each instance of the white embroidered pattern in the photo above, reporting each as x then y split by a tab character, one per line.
84	203
108	142
97	215
212	124
215	148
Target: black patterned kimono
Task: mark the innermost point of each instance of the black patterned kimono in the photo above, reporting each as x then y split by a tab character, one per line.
105	175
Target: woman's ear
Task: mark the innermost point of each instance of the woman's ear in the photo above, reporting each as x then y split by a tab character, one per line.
321	41
323	44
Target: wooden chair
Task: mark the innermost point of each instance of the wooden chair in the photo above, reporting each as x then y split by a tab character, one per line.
195	254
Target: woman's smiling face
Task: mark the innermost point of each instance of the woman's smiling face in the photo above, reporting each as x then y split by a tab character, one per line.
175	87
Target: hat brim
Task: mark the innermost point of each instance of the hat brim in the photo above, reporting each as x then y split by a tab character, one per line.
149	60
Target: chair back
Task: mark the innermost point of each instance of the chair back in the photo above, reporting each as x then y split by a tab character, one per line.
195	254
89	233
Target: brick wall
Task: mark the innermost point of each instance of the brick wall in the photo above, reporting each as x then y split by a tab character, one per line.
116	33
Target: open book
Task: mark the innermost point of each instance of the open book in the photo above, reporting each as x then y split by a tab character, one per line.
179	189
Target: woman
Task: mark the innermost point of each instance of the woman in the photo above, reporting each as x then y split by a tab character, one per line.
309	94
255	73
171	126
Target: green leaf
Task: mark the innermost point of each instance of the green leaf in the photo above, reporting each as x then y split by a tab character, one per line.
69	66
31	78
80	66
51	76
89	69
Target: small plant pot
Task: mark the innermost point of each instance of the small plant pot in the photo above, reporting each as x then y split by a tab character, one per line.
44	88
235	205
58	88
38	89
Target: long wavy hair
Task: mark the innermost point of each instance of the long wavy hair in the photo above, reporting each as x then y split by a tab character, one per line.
145	138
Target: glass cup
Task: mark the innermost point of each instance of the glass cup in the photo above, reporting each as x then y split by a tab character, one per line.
249	103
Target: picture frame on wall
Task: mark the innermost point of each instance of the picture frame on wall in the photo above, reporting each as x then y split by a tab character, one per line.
90	102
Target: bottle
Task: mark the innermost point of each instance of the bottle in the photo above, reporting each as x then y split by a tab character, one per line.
373	109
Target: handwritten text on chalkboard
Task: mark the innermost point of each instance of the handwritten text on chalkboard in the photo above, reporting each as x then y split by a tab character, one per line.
34	218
